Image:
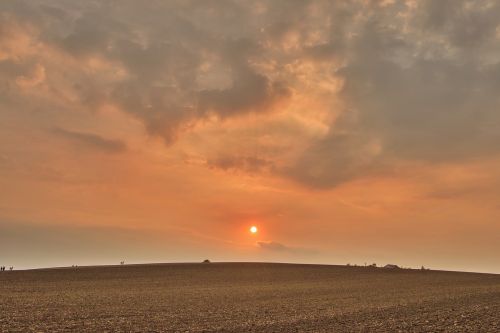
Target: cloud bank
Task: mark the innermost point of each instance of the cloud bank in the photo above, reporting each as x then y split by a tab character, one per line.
387	82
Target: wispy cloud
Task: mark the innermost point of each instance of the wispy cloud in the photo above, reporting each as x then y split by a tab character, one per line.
92	141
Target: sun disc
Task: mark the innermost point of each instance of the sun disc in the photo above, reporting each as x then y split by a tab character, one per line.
253	229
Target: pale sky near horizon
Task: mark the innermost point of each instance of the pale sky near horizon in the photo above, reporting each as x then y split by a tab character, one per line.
161	131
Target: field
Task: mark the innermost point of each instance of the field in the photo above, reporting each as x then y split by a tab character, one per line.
247	297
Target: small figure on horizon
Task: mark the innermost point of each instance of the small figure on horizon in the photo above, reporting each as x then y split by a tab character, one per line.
122	262
11	268
206	261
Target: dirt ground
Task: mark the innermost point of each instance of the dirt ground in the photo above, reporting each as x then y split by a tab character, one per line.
247	297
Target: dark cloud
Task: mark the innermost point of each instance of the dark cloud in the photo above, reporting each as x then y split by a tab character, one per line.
166	51
336	159
273	246
249	92
418	87
163	50
278	247
92	141
420	79
251	164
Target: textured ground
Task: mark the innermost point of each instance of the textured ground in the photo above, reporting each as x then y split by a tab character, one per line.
247	298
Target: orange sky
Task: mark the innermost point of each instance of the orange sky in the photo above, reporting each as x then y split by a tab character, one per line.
361	131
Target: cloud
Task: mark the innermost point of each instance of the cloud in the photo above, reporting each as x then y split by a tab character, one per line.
273	246
335	159
167	65
392	81
278	247
251	164
418	86
166	52
36	78
93	141
251	91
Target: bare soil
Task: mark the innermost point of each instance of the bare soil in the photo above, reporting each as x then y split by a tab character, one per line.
247	297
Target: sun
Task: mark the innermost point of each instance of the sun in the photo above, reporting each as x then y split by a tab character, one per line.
253	229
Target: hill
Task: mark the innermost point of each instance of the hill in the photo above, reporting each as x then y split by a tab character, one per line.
247	297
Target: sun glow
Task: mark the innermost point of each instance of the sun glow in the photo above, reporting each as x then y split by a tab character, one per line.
253	229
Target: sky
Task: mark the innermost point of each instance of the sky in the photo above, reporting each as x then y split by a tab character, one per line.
357	132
